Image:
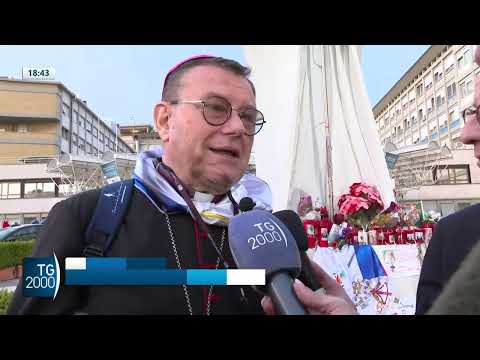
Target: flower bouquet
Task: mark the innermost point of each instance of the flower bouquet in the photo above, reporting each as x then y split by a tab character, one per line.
360	206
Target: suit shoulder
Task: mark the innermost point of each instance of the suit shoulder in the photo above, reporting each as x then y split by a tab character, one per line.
466	215
79	206
84	199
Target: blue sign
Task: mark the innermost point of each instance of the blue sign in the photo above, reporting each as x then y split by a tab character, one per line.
391	160
41	277
110	171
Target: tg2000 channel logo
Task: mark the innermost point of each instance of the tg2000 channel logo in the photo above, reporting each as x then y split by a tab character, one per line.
41	277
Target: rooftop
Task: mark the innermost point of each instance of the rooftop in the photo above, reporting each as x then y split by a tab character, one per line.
409	77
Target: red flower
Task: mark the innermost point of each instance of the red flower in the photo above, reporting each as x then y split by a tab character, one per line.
375	198
359	189
352	204
368	192
342	199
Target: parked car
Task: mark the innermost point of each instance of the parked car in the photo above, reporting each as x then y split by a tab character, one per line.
20	233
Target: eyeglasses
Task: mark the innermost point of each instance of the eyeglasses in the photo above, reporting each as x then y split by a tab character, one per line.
471	110
217	111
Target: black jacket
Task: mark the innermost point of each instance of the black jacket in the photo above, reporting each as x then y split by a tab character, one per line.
144	233
453	238
460	295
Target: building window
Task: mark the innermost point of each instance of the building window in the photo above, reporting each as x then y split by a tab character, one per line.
465	59
95	151
440	104
81	144
420	90
9	190
22	128
66	110
39	190
66	113
438	76
431	105
452	174
449	63
451	116
65	134
81	121
101	138
95	132
89	148
8	127
420	115
468	87
89	126
452	91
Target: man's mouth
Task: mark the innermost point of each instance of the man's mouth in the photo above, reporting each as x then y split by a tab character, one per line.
228	151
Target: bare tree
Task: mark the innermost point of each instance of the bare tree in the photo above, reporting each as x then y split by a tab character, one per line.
417	166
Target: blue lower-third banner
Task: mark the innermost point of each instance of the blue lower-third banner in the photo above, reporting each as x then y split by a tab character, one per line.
152	271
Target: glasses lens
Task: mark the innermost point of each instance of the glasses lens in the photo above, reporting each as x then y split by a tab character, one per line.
259	123
249	118
217	110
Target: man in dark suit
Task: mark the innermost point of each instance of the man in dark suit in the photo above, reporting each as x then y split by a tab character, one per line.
455	235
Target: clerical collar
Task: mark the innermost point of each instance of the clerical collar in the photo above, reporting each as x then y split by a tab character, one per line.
203	197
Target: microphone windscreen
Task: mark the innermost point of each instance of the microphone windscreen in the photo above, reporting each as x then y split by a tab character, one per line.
259	240
246	204
295	225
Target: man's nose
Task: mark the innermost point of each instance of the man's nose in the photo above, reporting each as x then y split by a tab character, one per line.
234	125
471	131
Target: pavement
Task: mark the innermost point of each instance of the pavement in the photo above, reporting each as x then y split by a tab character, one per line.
9	285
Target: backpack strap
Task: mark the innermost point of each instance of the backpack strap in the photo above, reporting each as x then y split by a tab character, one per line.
112	206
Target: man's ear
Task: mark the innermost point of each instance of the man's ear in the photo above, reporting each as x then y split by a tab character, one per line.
161	116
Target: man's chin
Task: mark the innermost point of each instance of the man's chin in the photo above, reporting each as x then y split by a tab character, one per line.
220	183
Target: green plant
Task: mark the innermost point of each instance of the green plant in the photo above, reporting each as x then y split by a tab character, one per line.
12	253
5	298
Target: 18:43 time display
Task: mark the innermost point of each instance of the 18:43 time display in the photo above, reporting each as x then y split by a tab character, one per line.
35	72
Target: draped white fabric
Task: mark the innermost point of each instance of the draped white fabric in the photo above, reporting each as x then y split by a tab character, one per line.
275	73
299	88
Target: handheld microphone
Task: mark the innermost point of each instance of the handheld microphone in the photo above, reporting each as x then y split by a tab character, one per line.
293	222
259	240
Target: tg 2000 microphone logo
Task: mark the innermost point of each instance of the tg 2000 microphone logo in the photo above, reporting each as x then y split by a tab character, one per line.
267	234
41	277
